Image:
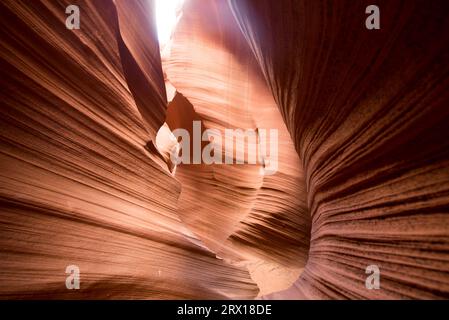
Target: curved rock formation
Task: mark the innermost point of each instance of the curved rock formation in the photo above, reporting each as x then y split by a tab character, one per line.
87	177
211	65
368	113
78	186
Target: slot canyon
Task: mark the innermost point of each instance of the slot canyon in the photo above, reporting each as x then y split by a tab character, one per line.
88	177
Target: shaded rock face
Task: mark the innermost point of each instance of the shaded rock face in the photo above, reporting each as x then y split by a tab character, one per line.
368	113
363	153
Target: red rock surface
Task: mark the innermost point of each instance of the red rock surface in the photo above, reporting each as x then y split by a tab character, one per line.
211	65
368	113
363	151
78	186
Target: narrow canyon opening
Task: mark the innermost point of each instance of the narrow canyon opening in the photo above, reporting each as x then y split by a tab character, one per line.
212	81
95	96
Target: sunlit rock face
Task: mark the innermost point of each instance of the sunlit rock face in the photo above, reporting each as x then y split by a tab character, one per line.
78	186
248	215
87	177
368	113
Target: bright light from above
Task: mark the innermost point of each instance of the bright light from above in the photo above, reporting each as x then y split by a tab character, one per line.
166	19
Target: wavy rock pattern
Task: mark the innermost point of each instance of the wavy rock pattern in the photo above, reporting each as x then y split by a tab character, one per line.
211	65
363	151
78	186
368	113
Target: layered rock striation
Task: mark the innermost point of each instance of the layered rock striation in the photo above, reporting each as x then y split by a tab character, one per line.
362	156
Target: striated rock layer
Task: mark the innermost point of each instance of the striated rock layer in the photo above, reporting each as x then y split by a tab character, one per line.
257	217
368	113
363	155
77	185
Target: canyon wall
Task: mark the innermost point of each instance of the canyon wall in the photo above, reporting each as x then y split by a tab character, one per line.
363	150
78	186
368	113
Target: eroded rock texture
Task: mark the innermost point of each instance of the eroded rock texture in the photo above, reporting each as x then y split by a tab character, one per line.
363	153
77	185
253	214
368	113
